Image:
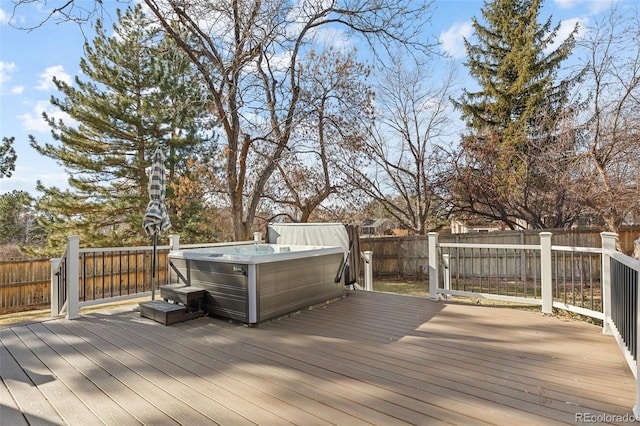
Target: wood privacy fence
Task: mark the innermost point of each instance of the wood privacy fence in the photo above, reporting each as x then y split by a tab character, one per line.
406	257
25	284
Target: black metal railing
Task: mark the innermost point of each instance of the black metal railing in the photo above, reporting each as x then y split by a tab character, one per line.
117	272
503	271
624	303
60	282
577	277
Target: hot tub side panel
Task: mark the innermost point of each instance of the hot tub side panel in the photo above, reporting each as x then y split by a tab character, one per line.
290	285
226	285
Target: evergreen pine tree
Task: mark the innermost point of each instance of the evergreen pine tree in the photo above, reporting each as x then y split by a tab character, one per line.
139	92
7	157
17	219
517	78
513	116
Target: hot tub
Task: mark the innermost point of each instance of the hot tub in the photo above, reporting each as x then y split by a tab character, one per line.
256	282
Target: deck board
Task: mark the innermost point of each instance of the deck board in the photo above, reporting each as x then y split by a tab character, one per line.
20	398
137	366
103	371
368	358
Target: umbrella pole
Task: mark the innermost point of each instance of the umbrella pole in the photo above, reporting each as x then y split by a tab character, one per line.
153	266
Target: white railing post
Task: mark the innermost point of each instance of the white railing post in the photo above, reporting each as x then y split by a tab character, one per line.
368	270
433	265
546	277
174	242
608	244
73	277
55	297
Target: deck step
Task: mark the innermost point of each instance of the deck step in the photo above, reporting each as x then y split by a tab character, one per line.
167	313
187	295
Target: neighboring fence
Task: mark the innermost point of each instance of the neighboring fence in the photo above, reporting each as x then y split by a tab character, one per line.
24	285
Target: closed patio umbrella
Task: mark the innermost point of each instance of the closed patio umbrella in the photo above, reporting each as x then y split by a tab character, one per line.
156	219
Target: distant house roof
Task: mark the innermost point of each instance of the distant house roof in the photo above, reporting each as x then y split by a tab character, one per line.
377	226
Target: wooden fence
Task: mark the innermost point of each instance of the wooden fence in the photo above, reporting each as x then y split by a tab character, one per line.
25	285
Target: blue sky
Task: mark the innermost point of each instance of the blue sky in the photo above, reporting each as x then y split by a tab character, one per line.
29	60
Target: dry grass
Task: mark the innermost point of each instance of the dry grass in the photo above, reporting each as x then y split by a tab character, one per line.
415	288
421	289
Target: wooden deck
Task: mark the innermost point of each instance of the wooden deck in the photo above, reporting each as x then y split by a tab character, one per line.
369	358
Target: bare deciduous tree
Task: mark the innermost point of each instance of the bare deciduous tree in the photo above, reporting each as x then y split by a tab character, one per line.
329	133
249	53
609	151
411	119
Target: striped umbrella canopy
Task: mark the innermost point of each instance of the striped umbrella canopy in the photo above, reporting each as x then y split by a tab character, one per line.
156	218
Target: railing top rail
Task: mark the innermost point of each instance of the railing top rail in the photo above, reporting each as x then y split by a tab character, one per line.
117	249
492	246
596	250
232	243
624	259
162	247
59	261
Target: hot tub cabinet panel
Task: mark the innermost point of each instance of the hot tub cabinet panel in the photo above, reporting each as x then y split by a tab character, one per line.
256	288
296	284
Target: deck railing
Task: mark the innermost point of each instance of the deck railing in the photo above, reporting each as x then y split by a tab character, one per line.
567	278
621	301
104	275
596	282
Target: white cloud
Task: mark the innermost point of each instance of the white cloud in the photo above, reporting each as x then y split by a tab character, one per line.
33	121
333	37
452	40
46	78
593	6
566	4
566	27
4	17
6	69
29	170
